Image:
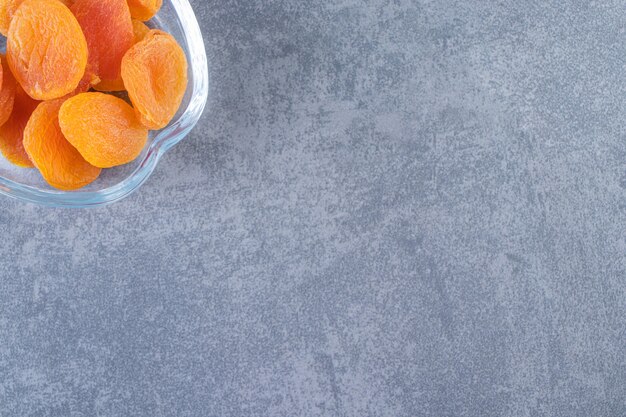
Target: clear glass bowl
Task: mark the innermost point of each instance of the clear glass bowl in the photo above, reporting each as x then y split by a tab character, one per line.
177	18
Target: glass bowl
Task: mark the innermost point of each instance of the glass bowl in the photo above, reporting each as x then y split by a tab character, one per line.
177	18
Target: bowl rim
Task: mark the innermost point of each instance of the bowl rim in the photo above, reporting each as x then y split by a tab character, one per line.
164	140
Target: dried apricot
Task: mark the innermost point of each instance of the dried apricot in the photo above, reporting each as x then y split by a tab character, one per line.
46	49
85	83
103	128
155	75
23	100
7	9
12	132
140	30
109	32
107	85
60	164
7	91
144	9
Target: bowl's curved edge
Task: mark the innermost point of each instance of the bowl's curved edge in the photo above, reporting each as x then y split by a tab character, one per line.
81	199
164	140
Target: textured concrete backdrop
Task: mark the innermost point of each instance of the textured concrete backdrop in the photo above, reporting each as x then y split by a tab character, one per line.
390	208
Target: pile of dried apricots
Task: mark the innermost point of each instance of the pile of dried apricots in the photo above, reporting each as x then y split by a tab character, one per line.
57	52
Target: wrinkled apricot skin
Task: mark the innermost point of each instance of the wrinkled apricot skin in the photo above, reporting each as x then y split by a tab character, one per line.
155	75
60	164
144	10
7	92
46	49
109	32
12	132
7	9
103	128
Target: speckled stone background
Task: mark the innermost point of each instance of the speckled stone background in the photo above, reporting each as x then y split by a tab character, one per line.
390	208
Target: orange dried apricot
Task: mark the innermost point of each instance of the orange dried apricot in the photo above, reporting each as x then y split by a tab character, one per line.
7	91
8	8
109	32
155	75
23	100
103	128
12	132
144	9
85	83
140	30
46	49
108	85
60	164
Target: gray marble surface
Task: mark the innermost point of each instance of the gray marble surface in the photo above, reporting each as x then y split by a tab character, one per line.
390	208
